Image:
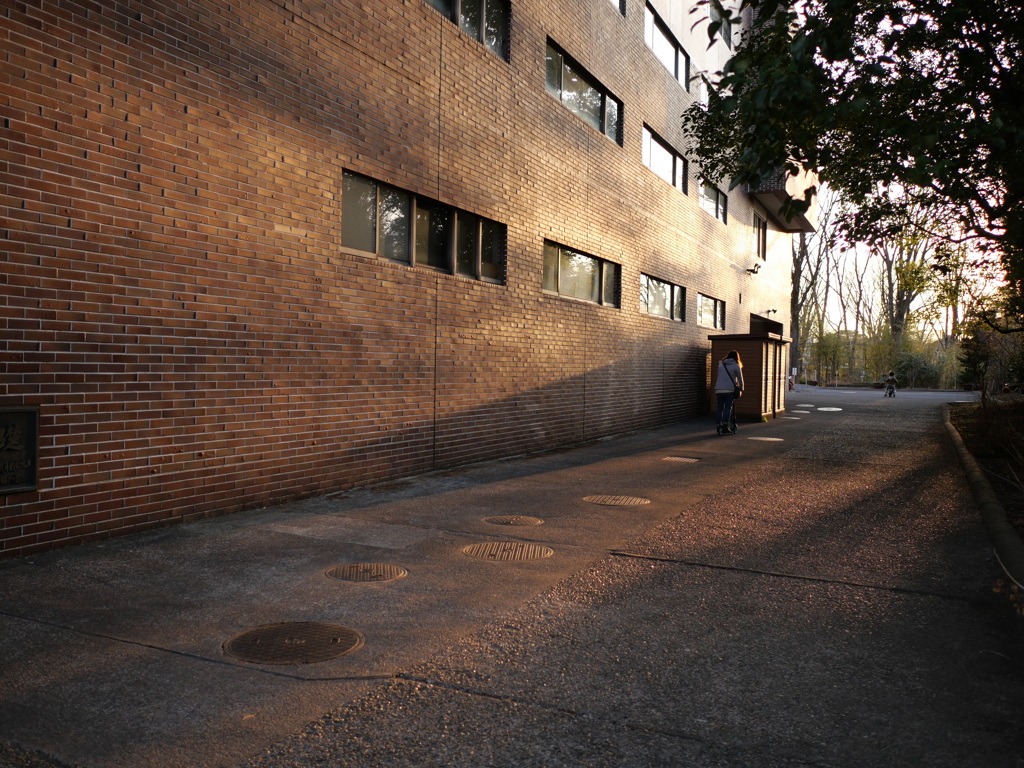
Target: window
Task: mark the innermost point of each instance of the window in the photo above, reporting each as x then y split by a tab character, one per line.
663	299
715	202
760	237
620	5
570	273
710	312
666	49
378	218
480	247
433	240
664	161
581	94
483	20
725	30
703	91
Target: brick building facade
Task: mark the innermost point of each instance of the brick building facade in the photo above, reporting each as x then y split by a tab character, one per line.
207	316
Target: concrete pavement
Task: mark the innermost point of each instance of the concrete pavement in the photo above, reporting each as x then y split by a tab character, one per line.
815	591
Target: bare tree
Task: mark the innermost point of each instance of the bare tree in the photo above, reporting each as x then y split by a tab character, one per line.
904	276
812	281
907	293
856	305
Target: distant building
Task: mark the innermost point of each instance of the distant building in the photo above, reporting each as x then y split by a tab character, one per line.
255	251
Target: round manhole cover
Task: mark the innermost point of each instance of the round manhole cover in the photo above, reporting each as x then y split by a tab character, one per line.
507	550
295	642
513	520
805	405
617	501
682	459
830	409
367	572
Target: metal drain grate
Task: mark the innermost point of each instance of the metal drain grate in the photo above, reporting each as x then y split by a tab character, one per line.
297	642
513	520
617	501
682	459
367	572
507	550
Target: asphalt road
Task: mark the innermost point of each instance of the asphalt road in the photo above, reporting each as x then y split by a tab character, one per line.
816	591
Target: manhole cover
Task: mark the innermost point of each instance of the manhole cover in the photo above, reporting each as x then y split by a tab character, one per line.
296	642
513	520
683	459
801	411
830	409
805	405
617	501
507	550
367	572
794	418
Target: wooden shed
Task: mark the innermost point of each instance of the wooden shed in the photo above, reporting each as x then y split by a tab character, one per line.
764	359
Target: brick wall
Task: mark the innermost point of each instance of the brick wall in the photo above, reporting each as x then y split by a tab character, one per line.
177	301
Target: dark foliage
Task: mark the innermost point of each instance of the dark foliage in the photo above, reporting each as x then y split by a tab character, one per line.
895	104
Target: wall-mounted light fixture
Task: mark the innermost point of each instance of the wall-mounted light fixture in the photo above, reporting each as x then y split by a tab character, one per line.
754	269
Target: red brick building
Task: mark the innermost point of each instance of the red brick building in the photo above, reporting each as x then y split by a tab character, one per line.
258	250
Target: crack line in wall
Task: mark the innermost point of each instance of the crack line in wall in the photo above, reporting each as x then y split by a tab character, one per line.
437	380
437	279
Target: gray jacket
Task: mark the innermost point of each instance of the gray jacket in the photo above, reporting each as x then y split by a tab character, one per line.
730	375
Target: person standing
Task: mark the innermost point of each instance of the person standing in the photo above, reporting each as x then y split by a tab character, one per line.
728	386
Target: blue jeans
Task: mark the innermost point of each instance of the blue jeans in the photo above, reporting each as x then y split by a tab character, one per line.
724	406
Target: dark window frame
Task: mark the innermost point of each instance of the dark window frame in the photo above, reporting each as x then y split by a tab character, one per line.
715	202
611	120
760	227
680	165
449	217
453	11
680	73
608	271
677	300
717	311
725	30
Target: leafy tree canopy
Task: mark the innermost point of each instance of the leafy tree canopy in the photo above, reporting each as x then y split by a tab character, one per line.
893	104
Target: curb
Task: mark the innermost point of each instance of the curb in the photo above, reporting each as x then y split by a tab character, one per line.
1007	543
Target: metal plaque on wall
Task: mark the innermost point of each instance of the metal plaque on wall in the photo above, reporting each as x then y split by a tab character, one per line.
19	443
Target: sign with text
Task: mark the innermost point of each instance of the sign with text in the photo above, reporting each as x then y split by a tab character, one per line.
19	443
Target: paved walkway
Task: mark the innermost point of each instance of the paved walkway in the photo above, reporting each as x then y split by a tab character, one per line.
816	591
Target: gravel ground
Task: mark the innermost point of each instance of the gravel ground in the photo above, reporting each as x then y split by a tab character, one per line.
835	609
831	605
